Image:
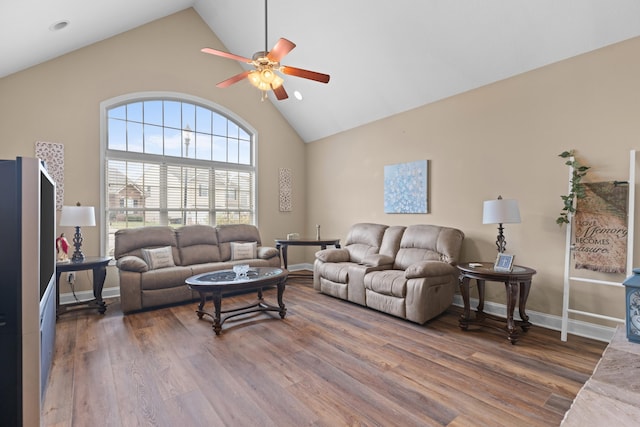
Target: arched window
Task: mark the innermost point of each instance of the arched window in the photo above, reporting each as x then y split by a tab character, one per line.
173	159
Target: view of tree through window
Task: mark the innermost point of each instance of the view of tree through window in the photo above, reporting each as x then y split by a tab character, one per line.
172	162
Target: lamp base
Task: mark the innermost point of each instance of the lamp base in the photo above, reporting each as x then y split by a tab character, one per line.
501	243
77	256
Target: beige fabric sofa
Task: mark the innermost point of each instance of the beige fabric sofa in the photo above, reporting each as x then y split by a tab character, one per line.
408	272
195	249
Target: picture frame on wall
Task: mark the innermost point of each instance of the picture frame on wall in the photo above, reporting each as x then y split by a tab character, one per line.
406	188
504	262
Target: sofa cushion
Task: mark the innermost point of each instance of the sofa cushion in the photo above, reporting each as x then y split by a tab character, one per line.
130	241
387	282
198	244
335	271
422	242
158	257
243	250
164	278
364	239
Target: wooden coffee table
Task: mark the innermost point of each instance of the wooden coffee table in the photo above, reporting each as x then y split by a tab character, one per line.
222	282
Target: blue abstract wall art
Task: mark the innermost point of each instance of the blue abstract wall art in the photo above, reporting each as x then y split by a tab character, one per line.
405	187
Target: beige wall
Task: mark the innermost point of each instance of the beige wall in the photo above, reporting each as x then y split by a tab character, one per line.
502	139
58	101
499	139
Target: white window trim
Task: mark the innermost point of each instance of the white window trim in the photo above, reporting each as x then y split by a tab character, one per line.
152	95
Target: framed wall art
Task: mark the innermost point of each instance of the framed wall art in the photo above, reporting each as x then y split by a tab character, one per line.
406	187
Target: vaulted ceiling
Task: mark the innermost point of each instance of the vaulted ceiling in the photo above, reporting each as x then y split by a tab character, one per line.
384	56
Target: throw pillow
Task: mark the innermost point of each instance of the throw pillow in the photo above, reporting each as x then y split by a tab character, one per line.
243	250
158	257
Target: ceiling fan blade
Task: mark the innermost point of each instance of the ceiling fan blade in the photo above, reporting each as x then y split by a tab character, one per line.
281	49
280	93
306	74
225	54
232	80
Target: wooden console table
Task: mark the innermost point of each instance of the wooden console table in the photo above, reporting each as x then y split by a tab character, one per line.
99	267
283	244
518	277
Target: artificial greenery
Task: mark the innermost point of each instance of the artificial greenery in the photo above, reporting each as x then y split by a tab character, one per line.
577	188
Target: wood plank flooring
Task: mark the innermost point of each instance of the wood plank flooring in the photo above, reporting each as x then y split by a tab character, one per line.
328	363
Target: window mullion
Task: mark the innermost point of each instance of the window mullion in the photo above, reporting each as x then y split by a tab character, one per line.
164	214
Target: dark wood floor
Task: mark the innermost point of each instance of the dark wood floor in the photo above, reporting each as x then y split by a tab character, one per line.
329	363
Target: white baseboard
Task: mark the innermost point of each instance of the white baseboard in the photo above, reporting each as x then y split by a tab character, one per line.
67	298
298	267
549	321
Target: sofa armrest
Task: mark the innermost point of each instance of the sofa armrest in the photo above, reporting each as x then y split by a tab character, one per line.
333	255
132	263
428	269
267	252
377	260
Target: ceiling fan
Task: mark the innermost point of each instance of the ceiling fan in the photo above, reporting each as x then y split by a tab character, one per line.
265	64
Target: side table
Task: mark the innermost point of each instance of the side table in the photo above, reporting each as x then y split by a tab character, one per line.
518	279
283	244
99	267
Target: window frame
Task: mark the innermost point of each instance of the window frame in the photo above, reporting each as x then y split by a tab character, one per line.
108	104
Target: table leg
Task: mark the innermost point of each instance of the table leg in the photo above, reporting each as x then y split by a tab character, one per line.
284	255
522	303
480	310
99	275
283	309
217	304
512	294
203	299
464	290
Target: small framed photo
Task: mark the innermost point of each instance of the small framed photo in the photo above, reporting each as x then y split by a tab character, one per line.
504	262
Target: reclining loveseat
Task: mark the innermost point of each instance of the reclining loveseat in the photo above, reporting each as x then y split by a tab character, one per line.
408	272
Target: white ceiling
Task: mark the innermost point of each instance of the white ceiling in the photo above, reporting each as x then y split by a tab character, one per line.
384	57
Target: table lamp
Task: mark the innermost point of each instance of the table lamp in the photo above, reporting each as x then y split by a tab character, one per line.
501	211
77	216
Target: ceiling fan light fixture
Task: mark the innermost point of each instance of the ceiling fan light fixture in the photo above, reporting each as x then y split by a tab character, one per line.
265	79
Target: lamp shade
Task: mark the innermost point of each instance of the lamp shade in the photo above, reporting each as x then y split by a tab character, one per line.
501	211
77	216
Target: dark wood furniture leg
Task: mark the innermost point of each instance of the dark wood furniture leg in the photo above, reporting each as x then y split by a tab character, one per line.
217	304
283	309
524	294
512	296
284	255
200	310
99	275
464	290
480	313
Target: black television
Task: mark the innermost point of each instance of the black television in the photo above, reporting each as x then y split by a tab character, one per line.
47	232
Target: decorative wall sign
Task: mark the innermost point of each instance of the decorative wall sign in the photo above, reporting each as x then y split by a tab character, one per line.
285	185
53	155
405	187
601	228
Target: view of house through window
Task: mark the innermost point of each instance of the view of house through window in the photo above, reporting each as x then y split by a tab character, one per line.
173	162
